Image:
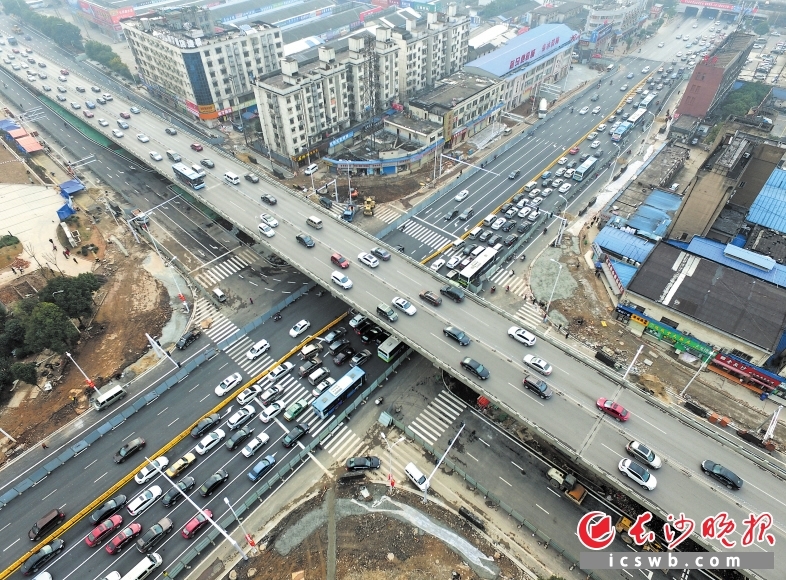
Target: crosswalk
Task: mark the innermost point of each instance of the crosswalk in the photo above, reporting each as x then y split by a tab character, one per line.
220	326
228	265
425	235
530	314
386	213
438	416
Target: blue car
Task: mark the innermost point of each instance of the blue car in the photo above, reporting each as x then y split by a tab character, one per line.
262	468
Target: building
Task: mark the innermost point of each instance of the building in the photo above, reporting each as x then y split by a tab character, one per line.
609	23
714	76
556	14
183	60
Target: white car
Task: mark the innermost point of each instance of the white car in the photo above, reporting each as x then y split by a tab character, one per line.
155	156
148	472
629	100
209	441
645	70
368	260
311	169
592	135
281	370
538	364
454	261
639	474
322	387
524	212
521	335
299	328
258	350
562	160
679	54
595	144
269	220
546	192
266	230
437	265
142	137
661	45
255	444
498	223
564	188
134	110
557	182
639	90
584	111
535	201
248	394
144	500
267	414
601	127
228	384
596	110
404	305
117	133
75	105
340	280
462	195
103	122
241	417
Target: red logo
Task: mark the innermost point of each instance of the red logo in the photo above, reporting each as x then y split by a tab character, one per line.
595	531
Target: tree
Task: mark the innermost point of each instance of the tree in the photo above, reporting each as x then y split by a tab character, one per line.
24	372
12	337
49	327
104	54
761	28
73	295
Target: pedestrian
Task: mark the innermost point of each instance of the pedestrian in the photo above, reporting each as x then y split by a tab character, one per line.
251	300
12	269
54	248
44	445
567	334
75	261
51	242
65	253
560	328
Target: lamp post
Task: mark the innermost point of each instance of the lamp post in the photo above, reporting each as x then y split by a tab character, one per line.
249	539
391	482
701	368
546	316
614	164
441	459
647	136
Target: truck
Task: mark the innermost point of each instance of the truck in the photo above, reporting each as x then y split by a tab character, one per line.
567	483
368	205
17	29
543	109
11	40
349	212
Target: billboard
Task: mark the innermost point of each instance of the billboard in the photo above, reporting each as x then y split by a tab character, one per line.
707	4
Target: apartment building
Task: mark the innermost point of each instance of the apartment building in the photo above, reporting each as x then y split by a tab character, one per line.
186	62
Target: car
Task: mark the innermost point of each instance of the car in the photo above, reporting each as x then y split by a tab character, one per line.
360	358
78	88
126	535
210	441
64	72
299	328
341	280
629	100
334	334
591	136
256	443
524	212
323	386
196	147
498	223
262	467
269	412
339	260
595	144
520	335
150	471
564	188
104	123
573	150
269	220
596	110
468	249
196	523
75	105
228	384
430	297
125	115
637	473
562	161
129	449
241	417
344	356
181	465
154	535
474	367
213	482
311	169
546	192
362	463
46	88
295	409
404	305
296	433
584	111
122	124
538	364
514	174
256	351
141	137
644	454
280	371
338	345
238	438
456	334
454	261
170	131
108	509
381	253
451	215
437	265
189	337
462	195
508	225
645	70
88	114
135	110
155	156
101	100
305	240
452	292
613	409
174	495
103	529
722	474
368	260
205	425
535	202
210	165
42	557
537	386
252	177
144	500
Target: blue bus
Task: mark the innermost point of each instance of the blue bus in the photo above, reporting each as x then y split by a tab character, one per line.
335	396
188	176
621	131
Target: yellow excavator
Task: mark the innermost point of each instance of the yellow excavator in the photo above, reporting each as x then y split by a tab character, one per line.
623	525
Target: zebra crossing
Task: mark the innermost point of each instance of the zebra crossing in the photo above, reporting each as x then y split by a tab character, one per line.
220	328
438	416
530	313
230	264
505	277
425	235
385	213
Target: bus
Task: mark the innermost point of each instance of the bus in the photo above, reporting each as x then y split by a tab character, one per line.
188	176
647	100
391	348
621	131
585	169
477	267
636	116
342	389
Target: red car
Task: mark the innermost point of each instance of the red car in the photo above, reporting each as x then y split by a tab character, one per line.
125	115
88	114
103	529
64	72
340	261
196	147
613	409
196	523
124	537
573	150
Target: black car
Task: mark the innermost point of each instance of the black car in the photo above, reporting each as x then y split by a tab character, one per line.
494	240
339	345
468	249
584	157
360	358
188	338
537	386
204	425
475	368
485	235
364	325
309	366
337	332
431	298
455	294
517	198
268	199
572	165
238	438
381	253
42	557
173	495
129	449
466	214
213	482
523	227
108	509
724	475
376	336
451	215
343	356
154	535
305	240
208	163
362	463
514	174
510	240
456	334
505	207
297	432
508	225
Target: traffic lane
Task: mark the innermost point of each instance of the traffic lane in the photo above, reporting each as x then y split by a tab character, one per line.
190	235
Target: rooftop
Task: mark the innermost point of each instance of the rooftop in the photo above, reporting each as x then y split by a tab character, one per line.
413	124
452	91
322	25
266	10
661	171
624	244
769	208
721	297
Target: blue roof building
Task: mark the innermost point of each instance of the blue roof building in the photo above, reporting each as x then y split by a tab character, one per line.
769	208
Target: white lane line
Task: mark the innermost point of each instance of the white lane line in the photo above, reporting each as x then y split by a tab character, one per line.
537	506
484	443
518	466
469	454
505	481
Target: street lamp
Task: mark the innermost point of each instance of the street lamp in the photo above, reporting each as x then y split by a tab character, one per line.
390	457
249	539
614	164
545	317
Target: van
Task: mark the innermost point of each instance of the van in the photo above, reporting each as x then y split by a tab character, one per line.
475	233
311	349
219	295
489	219
569	173
387	312
611	66
507	131
103	400
144	568
458	242
45	525
314	222
318	376
530	186
173	156
761	41
231	178
417	477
